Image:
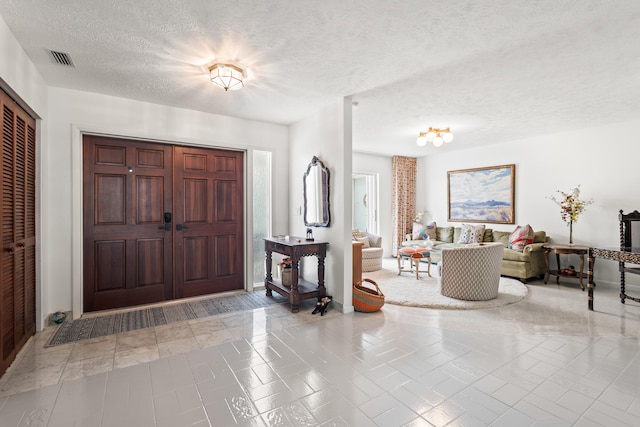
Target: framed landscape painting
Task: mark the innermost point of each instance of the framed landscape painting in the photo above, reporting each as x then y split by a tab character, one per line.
482	194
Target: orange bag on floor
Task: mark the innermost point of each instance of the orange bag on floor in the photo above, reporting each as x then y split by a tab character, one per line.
365	299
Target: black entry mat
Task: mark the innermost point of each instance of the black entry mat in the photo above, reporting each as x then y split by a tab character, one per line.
99	326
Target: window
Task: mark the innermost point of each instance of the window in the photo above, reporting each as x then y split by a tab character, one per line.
261	211
365	202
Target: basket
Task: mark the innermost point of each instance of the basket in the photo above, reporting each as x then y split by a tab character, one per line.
365	299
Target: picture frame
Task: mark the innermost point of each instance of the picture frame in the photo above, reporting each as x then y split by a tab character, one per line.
482	194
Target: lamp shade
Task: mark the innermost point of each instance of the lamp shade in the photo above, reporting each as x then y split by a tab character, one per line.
447	137
421	141
437	141
431	135
227	76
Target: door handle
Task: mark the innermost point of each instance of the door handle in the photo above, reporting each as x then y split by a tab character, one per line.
10	249
167	222
181	227
20	245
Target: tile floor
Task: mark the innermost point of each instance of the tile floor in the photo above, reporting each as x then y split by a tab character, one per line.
544	361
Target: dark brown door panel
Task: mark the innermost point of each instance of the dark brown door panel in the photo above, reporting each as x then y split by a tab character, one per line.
208	193
17	229
128	253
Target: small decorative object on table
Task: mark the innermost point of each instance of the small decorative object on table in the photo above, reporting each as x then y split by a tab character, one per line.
309	235
285	266
570	207
365	299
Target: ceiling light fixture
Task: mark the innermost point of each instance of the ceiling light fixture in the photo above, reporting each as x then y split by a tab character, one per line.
435	135
227	76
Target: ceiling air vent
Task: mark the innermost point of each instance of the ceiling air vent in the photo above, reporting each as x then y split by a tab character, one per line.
60	58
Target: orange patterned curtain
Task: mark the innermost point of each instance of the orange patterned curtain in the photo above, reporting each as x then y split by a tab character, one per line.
403	197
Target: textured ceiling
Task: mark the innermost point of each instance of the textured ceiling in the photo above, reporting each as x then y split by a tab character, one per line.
491	70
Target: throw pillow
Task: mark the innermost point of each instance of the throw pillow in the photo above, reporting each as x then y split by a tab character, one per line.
430	230
421	232
540	237
364	240
444	234
521	237
471	233
502	237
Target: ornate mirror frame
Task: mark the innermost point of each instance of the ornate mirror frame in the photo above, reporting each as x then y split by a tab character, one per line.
316	195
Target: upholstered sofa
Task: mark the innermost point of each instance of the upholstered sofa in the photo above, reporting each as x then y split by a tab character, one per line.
371	251
522	265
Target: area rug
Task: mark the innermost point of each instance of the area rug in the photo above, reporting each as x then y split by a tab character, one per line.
99	326
404	289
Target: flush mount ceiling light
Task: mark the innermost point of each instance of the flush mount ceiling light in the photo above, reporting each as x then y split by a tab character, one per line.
227	76
435	135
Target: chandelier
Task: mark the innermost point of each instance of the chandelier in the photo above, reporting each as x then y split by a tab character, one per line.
435	135
227	76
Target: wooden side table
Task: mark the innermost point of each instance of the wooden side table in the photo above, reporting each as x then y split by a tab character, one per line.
581	251
300	289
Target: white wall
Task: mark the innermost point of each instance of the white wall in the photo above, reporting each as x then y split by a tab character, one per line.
19	77
74	112
326	135
19	74
602	160
382	166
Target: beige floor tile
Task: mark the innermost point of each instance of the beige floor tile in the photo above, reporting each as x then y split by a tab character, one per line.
172	332
214	338
134	339
136	356
23	381
92	348
31	360
86	367
179	346
205	325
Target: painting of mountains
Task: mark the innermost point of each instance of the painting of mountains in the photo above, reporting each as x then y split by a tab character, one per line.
482	194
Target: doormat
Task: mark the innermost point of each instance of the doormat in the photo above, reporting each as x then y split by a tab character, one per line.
99	326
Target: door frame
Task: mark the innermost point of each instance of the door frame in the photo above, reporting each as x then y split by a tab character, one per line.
77	269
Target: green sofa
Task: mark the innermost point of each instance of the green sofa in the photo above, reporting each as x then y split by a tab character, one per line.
521	265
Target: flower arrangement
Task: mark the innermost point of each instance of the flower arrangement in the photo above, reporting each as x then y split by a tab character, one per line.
571	206
286	263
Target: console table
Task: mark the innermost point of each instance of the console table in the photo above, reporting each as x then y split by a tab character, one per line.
581	251
631	255
295	248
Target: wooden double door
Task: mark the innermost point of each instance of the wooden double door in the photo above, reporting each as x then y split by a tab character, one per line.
160	222
17	230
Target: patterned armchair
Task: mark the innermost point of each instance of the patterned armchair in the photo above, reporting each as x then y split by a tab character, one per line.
371	251
472	272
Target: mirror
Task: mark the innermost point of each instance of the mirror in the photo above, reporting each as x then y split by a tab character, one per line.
316	195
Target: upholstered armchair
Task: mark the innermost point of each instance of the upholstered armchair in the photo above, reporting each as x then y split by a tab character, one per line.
471	272
371	251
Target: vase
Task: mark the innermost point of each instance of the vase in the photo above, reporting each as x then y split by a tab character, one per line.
287	280
570	233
